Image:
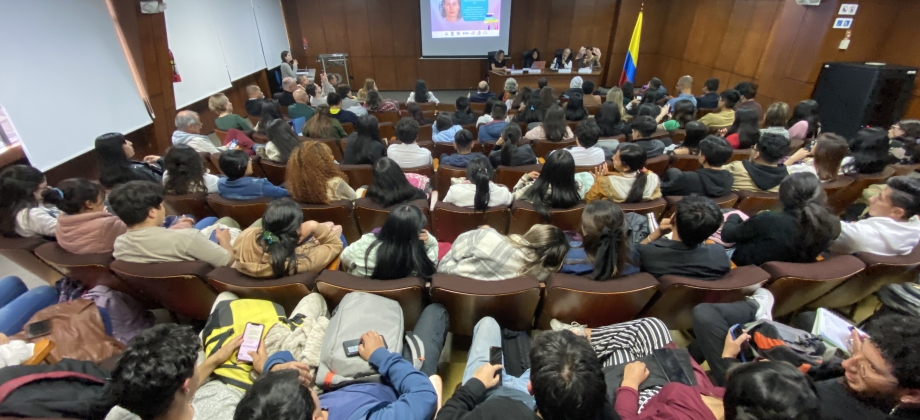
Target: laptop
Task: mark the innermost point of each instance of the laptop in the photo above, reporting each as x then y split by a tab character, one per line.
539	65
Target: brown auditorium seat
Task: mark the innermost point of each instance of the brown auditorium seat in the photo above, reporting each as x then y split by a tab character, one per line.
338	212
447	107
655	207
678	136
221	135
900	170
195	204
686	163
275	172
832	187
370	216
209	164
572	125
214	159
424	132
593	303
725	202
592	110
254	120
679	295
523	216
358	175
428	106
259	138
449	221
542	148
752	203
512	302
245	212
348	127
409	292
478	106
383	117
704	111
286	291
510	175
796	285
178	286
839	201
333	144
585	168
445	173
387	131
427	170
257	167
742	154
661	134
658	165
879	272
795	145
21	251
90	270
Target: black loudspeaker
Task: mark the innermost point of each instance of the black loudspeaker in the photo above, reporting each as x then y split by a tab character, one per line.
853	95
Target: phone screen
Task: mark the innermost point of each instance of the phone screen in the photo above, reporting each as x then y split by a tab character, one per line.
495	357
251	337
639	97
38	329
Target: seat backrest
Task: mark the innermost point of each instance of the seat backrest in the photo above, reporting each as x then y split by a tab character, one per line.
795	145
20	252
686	163
900	170
449	221
370	216
542	148
658	164
725	202
333	145
655	207
428	106
679	295
383	117
742	154
275	172
179	286
678	136
358	175
839	201
409	292
752	203
593	303
704	111
195	204
523	216
286	291
832	187
210	164
245	212
337	212
512	302
259	138
221	135
387	131
348	127
510	175
445	173
880	270
90	270
427	170
795	285
572	125
424	132
478	106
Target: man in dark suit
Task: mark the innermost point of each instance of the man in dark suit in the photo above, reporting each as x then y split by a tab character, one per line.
286	98
710	98
483	94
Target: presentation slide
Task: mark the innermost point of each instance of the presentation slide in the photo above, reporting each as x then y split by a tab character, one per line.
464	28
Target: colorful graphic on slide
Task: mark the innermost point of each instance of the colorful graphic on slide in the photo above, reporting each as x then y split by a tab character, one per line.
465	18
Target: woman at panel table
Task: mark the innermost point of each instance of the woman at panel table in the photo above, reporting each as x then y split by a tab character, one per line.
288	65
450	10
589	58
497	63
564	61
531	58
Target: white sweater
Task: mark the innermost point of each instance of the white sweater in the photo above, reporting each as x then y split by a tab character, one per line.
877	235
463	195
37	221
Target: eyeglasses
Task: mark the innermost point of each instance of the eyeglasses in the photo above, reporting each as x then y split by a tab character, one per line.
861	365
896	127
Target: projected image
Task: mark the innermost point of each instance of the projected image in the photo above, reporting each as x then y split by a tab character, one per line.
465	18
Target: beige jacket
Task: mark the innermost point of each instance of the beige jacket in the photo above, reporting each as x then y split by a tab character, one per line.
253	261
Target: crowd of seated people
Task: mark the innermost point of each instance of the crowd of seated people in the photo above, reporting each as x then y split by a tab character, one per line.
125	214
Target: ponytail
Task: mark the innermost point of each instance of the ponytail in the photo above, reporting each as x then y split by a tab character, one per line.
507	152
479	172
638	187
281	249
607	260
511	135
549	247
803	198
634	157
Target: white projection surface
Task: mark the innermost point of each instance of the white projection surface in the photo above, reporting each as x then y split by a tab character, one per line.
464	28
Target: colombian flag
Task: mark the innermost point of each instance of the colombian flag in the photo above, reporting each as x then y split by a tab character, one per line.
632	56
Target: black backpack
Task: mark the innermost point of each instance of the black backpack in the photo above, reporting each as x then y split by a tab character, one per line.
70	389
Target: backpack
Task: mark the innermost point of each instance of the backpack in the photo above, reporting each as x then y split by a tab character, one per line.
229	320
128	317
902	298
637	228
782	343
357	314
67	389
68	289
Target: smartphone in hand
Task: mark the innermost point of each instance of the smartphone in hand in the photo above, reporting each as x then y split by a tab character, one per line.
495	358
252	335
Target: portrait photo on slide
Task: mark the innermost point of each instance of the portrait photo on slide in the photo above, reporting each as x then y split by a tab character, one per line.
465	18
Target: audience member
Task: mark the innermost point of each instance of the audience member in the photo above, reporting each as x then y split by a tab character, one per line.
369	85
238	185
655	88
303	81
312	176
520	100
348	100
139	204
869	152
463	143
478	190
22	208
533	111
615	96
805	122
891	228
323	125
726	114
709	180
185	172
824	159
710	97
586	152
798	233
685	92
254	102
775	120
748	91
271	111
444	129
85	226
282	141
628	91
285	244
552	188
904	136
338	112
629	183
590	98
695	132
415	112
484	254
487	111
745	131
391	186
317	98
575	86
610	119
563	61
226	119
762	172
682	112
492	130
554	127
507	152
300	108
374	103
463	115
684	253
542	83
421	94
482	93
605	252
407	153
643	127
113	157
575	109
511	88
770	390
403	244
364	146
288	86
188	131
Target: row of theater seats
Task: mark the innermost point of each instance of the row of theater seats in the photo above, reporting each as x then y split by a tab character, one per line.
189	288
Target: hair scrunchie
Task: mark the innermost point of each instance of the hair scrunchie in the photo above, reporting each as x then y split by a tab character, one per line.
269	237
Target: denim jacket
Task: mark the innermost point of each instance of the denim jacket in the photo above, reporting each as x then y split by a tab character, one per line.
249	188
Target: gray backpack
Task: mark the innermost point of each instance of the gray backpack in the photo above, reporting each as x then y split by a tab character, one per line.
357	314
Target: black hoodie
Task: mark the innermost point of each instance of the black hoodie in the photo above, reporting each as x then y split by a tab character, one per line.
707	182
765	177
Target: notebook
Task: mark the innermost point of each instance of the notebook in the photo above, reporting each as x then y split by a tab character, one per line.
833	329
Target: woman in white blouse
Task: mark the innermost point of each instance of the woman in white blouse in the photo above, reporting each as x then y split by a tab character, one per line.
421	91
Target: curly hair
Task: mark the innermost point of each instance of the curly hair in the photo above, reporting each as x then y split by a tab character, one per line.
155	365
897	337
309	171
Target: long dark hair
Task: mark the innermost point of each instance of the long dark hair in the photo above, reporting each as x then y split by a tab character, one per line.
575	109
367	133
633	156
770	390
802	196
829	151
186	171
629	90
18	184
555	187
603	225
608	118
910	140
747	126
684	112
283	137
415	112
534	110
390	186
399	251
489	104
511	135
444	122
696	132
320	126
114	166
479	172
523	96
554	125
271	111
547	98
75	192
280	236
421	91
869	149
373	100
806	110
